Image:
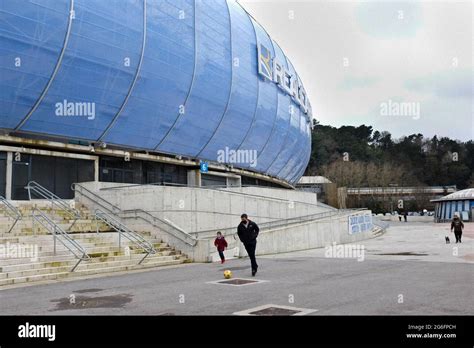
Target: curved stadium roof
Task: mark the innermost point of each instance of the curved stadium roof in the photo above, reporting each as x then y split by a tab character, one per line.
170	76
458	196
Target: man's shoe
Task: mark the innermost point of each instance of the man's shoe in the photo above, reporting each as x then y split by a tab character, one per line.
254	271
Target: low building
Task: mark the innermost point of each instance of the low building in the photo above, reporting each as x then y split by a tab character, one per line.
460	203
324	188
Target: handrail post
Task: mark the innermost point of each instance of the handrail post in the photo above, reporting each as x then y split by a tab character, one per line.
54	232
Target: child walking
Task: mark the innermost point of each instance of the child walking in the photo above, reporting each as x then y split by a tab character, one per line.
221	244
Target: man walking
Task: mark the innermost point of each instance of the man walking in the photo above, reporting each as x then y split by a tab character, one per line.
458	226
248	232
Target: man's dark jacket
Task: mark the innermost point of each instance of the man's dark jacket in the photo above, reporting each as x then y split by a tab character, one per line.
457	225
248	234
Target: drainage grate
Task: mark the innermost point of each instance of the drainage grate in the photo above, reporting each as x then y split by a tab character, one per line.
276	310
238	281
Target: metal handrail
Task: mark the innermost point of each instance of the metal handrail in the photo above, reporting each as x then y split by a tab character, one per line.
41	191
223	188
381	224
103	203
64	238
11	211
283	222
135	214
161	224
124	231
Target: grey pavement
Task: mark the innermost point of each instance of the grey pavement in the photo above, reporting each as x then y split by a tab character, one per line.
409	270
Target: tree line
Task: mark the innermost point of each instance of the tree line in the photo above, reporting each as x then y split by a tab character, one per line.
362	157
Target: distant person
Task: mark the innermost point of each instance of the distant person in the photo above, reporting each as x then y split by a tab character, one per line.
405	214
221	245
457	225
248	233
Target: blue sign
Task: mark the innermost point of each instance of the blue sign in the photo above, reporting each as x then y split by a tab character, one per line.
360	223
204	167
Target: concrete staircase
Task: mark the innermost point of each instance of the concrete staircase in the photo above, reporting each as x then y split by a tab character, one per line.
103	249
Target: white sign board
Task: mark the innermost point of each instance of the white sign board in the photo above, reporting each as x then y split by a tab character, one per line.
360	223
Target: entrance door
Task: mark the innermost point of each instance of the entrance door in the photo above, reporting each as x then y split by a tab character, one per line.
20	177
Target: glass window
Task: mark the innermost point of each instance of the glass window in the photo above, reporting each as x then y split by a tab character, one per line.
54	173
213	180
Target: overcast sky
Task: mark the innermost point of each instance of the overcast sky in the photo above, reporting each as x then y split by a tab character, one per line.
359	61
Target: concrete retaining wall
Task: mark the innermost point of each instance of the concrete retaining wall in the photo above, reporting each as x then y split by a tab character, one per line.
216	209
198	209
308	235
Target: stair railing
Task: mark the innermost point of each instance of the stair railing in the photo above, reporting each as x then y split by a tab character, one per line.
60	235
11	211
123	231
35	189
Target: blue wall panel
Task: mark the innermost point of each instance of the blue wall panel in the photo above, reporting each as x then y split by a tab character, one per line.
211	86
304	153
165	76
265	114
240	111
296	147
92	71
281	126
307	154
291	137
298	160
30	44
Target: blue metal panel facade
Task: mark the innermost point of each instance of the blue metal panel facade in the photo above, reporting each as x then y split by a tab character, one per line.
287	154
29	51
171	76
265	113
272	148
164	79
240	111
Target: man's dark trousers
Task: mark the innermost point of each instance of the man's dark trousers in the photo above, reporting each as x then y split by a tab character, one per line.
250	247
458	236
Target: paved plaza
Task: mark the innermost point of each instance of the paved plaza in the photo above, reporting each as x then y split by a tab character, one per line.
409	270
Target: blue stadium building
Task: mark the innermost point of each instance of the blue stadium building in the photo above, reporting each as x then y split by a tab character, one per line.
145	91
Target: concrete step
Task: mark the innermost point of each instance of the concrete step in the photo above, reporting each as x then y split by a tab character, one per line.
28	231
66	256
85	265
69	261
85	272
79	236
106	256
96	253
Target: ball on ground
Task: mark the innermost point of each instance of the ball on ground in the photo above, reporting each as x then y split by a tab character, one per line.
227	274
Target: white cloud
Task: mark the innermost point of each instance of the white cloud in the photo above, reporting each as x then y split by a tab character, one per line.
425	59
